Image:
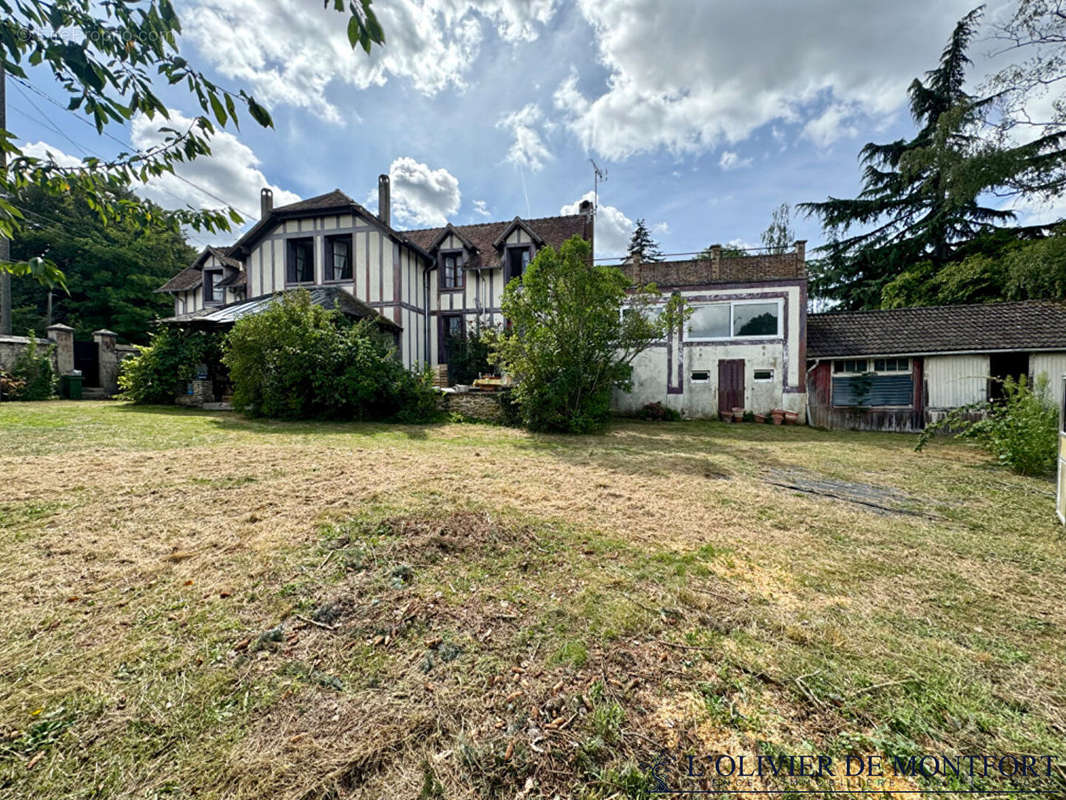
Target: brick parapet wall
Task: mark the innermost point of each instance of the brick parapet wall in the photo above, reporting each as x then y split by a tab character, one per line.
720	269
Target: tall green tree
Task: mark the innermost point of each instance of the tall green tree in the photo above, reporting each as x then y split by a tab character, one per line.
112	270
642	246
910	209
779	235
575	329
109	60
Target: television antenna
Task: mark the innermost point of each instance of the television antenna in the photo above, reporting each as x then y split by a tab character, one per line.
598	176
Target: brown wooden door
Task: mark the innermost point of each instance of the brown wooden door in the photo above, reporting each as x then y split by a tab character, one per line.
730	385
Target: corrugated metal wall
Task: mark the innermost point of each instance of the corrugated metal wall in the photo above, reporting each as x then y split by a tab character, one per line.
1054	366
956	380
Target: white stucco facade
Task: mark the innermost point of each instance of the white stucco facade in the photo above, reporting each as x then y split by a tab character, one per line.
688	372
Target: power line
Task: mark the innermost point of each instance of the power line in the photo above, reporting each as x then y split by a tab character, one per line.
128	145
92	153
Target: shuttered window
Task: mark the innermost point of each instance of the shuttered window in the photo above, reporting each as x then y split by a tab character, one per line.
873	390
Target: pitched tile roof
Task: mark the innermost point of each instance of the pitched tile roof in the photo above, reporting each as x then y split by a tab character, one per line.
730	269
335	201
1022	325
552	230
190	277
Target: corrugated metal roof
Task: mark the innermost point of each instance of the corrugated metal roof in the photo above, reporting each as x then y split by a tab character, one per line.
331	297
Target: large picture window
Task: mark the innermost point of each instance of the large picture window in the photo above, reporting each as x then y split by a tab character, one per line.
739	320
338	258
300	266
451	271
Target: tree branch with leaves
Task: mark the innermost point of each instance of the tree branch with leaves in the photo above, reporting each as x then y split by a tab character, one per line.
108	58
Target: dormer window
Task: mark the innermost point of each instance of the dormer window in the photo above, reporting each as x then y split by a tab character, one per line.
517	261
212	293
451	271
300	267
339	258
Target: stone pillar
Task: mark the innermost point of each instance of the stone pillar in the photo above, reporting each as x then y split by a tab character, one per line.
716	261
801	250
63	336
108	359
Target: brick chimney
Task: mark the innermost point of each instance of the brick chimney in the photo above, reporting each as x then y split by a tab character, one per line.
586	210
384	199
266	203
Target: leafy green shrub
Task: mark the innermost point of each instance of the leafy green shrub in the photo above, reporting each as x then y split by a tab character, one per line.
160	370
297	360
569	345
1021	431
32	376
657	412
468	356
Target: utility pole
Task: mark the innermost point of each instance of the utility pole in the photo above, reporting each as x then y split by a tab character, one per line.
5	245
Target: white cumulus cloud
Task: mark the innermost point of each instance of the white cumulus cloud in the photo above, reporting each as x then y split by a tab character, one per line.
690	75
229	176
291	52
731	160
528	148
613	228
422	196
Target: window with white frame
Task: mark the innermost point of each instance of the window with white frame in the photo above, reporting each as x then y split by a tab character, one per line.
762	375
742	319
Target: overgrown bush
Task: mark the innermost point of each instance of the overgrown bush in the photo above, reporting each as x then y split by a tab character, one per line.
657	412
32	376
1021	430
161	369
569	344
297	360
468	356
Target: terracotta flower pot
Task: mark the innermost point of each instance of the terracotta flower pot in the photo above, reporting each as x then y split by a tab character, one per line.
778	415
738	414
791	418
760	418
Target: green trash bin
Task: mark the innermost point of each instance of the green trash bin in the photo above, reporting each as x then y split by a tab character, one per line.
70	385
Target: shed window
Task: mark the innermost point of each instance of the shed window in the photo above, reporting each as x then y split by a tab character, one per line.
451	274
892	365
763	375
701	376
339	258
888	383
301	261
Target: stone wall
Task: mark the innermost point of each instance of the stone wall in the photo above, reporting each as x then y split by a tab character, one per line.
11	347
202	392
478	406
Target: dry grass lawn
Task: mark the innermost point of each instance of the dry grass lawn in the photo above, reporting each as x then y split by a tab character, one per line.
198	605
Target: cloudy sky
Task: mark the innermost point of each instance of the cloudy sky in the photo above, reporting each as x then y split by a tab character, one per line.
706	114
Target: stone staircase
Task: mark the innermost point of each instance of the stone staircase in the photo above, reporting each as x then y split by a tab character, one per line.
94	393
